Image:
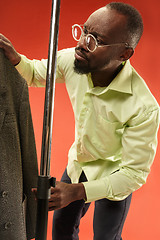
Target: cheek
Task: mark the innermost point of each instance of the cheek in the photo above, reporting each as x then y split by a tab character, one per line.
100	60
107	56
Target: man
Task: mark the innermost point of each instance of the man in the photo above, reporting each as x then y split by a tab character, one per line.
116	121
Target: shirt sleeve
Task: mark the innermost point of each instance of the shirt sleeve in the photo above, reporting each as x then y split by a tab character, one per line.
139	143
34	71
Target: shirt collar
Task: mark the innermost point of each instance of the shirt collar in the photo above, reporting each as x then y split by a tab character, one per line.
121	83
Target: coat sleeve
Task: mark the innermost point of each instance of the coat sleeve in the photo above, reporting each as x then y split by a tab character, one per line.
29	160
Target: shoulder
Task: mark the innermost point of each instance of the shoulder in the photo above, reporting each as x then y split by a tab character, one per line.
142	91
65	61
66	56
66	52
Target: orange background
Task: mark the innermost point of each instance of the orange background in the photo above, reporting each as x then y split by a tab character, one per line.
26	24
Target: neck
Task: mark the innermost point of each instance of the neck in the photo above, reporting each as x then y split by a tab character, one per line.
105	77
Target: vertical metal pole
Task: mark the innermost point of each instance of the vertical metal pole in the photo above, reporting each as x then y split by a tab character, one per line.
44	180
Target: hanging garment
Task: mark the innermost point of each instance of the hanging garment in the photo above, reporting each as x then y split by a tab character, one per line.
18	161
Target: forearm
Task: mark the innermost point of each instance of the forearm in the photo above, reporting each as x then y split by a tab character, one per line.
115	187
78	192
33	71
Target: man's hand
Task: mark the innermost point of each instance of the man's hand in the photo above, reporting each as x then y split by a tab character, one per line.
9	50
63	194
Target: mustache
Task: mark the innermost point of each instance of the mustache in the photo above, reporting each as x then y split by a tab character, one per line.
82	51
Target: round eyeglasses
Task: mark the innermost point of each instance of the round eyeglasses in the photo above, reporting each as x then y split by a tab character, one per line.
90	40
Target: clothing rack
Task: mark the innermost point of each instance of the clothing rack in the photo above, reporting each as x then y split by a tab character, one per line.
45	181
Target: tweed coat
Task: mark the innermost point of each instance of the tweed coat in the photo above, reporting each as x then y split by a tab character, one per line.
18	162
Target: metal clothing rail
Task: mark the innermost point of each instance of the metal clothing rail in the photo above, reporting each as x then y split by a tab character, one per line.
44	180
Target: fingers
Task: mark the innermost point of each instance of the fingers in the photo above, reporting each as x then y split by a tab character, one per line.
34	190
4	42
4	45
53	206
54	202
2	37
55	196
9	50
60	196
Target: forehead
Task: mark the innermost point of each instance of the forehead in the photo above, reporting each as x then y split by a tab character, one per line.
106	22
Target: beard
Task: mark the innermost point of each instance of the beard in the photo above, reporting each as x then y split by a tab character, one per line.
81	69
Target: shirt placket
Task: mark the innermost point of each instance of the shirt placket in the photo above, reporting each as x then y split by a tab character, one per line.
83	118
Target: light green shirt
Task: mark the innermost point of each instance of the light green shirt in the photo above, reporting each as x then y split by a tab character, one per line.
115	127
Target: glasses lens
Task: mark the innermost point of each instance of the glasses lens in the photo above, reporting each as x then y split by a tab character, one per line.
76	32
91	42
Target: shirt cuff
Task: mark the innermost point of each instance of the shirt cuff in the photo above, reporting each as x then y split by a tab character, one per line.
20	65
97	189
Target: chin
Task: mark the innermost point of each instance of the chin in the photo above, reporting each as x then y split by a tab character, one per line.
78	68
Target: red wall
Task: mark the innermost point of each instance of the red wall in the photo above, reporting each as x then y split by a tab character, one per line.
26	24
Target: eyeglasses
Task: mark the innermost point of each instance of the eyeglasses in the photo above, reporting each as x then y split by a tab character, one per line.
90	40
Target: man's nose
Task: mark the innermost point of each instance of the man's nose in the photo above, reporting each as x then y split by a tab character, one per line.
82	43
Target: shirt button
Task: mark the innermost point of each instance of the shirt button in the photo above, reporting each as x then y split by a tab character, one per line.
4	194
7	225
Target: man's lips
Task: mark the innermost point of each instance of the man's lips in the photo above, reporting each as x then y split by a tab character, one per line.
80	56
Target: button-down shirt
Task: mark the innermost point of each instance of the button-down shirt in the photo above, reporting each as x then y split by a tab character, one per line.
115	127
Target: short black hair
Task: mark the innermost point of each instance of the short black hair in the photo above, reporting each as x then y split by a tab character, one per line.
134	20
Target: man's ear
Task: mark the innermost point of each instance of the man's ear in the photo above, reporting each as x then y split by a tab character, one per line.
127	53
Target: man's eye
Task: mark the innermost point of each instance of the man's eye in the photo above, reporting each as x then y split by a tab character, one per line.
99	41
85	31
